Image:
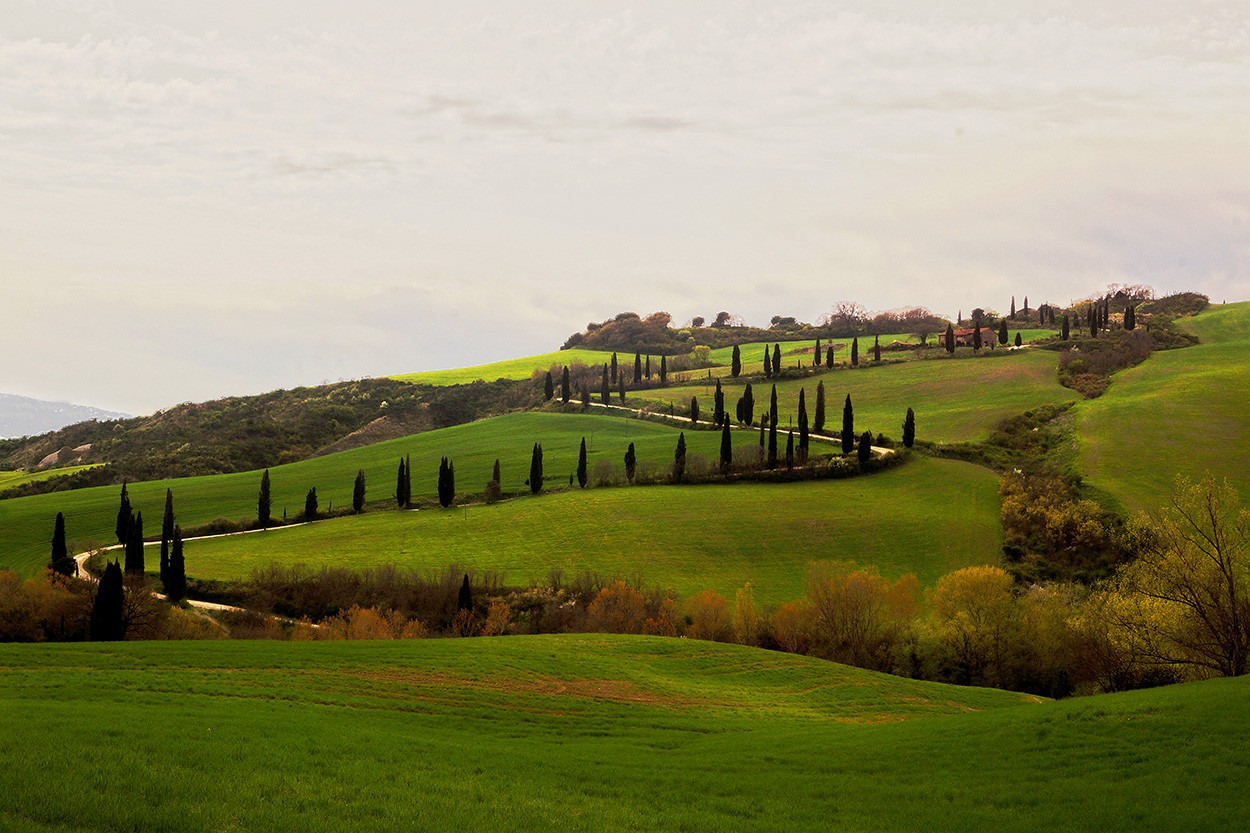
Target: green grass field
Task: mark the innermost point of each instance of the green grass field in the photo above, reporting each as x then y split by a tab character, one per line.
954	399
91	513
1179	412
687	538
586	733
13	479
522	368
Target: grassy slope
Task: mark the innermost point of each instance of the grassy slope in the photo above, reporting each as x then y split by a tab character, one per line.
26	523
687	538
954	399
522	368
13	479
1181	411
586	733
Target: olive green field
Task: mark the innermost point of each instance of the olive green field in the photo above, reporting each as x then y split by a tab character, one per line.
522	368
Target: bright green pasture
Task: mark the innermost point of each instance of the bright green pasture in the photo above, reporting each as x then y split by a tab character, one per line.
13	479
522	368
90	514
928	517
1179	412
955	399
587	733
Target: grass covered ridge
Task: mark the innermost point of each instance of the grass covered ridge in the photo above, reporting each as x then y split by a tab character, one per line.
587	733
522	368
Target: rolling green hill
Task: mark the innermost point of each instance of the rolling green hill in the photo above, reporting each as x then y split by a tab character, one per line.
1179	412
91	513
586	733
522	368
954	399
688	538
13	479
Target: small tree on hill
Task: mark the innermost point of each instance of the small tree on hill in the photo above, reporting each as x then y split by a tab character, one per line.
818	422
124	513
61	562
536	469
976	336
1130	318
134	546
663	371
865	447
400	480
855	352
718	406
776	359
1019	340
1002	333
848	426
358	492
1066	330
768	362
803	435
549	387
566	389
748	405
735	365
909	428
108	623
876	348
585	397
495	473
637	369
694	410
829	357
446	483
679	459
646	367
581	465
950	338
614	367
176	583
464	600
1013	306
620	388
631	463
262	502
310	505
726	450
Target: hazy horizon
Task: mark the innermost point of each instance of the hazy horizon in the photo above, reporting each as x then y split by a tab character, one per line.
208	201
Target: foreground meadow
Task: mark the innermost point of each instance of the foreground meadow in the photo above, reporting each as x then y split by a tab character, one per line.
586	733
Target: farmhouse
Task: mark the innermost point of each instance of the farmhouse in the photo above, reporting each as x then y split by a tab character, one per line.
989	338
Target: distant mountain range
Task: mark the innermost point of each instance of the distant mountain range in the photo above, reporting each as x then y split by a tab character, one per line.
21	416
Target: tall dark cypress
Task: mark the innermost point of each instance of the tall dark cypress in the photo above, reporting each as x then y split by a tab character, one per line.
620	388
694	410
829	357
123	516
909	429
536	469
262	502
310	505
803	435
408	480
446	483
176	583
748	405
865	447
726	449
789	449
735	364
950	338
358	492
605	392
108	623
134	546
61	561
464	600
772	430
768	362
549	387
848	426
679	458
876	348
637	368
818	422
663	371
646	367
581	465
776	359
1002	332
565	391
614	367
399	484
631	463
1066	326
1130	318
718	405
976	336
167	531
1013	306
855	352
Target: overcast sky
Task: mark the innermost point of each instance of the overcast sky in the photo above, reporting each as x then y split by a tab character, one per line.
202	199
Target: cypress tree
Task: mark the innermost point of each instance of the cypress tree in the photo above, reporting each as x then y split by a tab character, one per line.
647	367
959	319
679	458
310	505
772	429
446	483
61	561
950	338
399	484
565	391
536	469
1013	306
631	463
763	432
1130	318
494	474
408	480
1019	340
581	465
1025	308
735	365
818	423
776	359
108	622
789	449
855	352
803	435
176	584
738	411
1003	335
718	405
816	353
976	336
909	428
585	392
829	357
768	362
549	387
358	492
637	368
464	601
1066	331
123	516
748	405
167	531
620	390
726	450
605	392
865	447
848	426
614	367
262	502
134	546
876	348
663	371
694	410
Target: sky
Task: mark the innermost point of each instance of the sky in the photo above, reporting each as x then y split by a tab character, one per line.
208	199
